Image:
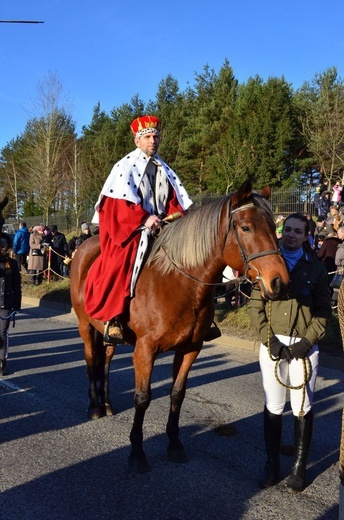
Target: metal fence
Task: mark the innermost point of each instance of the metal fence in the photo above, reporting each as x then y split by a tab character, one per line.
286	201
283	201
64	223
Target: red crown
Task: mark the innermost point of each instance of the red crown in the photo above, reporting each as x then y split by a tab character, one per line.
145	123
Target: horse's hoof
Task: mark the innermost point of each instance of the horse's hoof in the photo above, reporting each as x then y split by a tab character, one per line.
138	465
178	456
94	413
109	410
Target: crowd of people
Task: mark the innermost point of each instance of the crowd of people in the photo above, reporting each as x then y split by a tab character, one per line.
325	198
43	251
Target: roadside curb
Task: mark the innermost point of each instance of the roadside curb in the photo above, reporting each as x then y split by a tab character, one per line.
47	304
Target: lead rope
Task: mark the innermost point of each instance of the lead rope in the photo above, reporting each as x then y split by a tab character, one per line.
307	369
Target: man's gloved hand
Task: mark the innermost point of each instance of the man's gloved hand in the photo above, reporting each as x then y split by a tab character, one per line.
279	349
300	348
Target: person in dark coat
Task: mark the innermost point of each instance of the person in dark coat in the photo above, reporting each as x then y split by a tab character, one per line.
10	295
324	204
59	251
75	242
316	200
322	229
327	254
312	224
85	234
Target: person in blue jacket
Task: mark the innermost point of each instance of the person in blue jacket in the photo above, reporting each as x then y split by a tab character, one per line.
21	245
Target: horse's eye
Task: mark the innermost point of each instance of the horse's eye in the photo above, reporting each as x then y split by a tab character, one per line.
246	229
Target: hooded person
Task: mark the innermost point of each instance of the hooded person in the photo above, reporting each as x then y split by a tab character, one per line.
85	234
75	241
139	192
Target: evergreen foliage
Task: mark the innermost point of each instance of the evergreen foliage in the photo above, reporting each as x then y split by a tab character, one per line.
215	134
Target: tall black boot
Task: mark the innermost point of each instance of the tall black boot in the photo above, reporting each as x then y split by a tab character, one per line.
3	368
303	427
272	436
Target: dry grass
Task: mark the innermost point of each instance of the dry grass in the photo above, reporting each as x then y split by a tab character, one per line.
54	291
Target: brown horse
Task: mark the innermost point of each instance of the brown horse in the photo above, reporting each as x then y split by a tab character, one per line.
173	306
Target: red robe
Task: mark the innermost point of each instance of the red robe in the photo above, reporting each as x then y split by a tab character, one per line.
107	287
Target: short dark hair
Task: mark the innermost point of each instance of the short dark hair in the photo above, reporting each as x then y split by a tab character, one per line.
301	217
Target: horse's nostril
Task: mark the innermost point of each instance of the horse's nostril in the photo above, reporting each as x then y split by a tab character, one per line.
276	284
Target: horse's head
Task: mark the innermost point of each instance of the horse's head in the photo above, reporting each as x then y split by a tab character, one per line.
252	228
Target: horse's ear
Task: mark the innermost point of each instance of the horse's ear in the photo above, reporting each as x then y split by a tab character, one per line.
265	192
243	194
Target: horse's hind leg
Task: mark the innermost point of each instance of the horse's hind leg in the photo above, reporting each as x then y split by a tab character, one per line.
181	367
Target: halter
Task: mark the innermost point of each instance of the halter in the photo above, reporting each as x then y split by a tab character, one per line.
247	258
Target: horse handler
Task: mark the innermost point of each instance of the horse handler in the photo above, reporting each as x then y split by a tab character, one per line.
289	330
140	191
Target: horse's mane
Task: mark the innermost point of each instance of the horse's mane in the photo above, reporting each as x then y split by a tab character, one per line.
190	241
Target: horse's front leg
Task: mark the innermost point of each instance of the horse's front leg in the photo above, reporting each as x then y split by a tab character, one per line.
98	358
94	410
181	367
104	384
91	355
143	365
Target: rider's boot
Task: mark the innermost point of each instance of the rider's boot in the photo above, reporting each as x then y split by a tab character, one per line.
113	331
272	436
213	333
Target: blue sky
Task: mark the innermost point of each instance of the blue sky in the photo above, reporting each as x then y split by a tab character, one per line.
109	51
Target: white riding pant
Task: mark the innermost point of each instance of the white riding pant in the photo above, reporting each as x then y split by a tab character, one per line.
291	374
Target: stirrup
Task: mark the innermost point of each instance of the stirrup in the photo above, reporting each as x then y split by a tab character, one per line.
113	332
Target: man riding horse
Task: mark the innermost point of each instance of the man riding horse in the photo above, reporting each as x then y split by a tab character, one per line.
139	193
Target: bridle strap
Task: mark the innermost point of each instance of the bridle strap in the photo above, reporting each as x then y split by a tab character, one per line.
264	253
247	258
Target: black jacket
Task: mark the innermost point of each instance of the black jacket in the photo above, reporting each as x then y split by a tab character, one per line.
10	284
59	246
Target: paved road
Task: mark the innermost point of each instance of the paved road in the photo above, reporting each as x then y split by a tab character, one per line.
57	465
